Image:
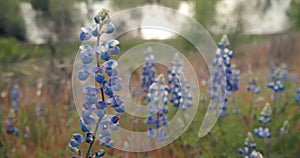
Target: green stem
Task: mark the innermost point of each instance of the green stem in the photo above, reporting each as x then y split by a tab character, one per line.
223	134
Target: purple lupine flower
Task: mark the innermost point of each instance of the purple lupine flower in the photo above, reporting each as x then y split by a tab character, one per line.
15	94
102	96
158	96
233	79
178	88
10	122
76	140
149	72
265	119
278	78
249	149
224	77
297	96
262	132
284	72
252	86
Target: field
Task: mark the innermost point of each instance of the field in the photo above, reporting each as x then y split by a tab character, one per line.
46	115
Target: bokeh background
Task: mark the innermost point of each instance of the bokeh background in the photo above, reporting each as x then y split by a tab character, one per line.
39	41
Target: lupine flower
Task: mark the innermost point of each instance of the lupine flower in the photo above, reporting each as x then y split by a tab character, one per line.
265	118
297	96
262	132
149	72
232	79
252	86
106	75
178	88
278	78
249	149
225	78
233	86
158	108
10	122
284	72
285	128
223	110
15	94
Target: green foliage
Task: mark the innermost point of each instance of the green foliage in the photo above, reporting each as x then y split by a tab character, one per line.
42	5
57	15
61	9
205	11
8	48
121	4
11	22
294	13
12	51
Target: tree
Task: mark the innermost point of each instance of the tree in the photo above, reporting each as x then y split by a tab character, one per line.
294	13
57	15
11	22
121	4
205	12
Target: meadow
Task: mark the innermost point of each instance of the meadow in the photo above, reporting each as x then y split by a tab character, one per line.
45	114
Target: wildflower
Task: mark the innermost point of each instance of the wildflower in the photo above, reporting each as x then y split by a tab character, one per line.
158	107
278	78
98	99
10	122
265	118
233	79
225	78
262	132
252	86
297	96
15	94
149	72
178	89
249	149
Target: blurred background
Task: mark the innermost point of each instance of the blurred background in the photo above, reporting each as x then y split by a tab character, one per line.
39	41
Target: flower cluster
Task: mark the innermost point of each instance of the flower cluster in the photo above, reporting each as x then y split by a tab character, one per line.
217	85
252	86
231	72
178	88
149	72
232	79
98	98
15	94
158	108
297	96
249	150
278	77
265	118
224	76
284	72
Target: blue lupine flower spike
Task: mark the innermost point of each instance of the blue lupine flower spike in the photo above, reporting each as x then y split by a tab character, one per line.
265	118
178	87
297	96
102	96
158	108
249	149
